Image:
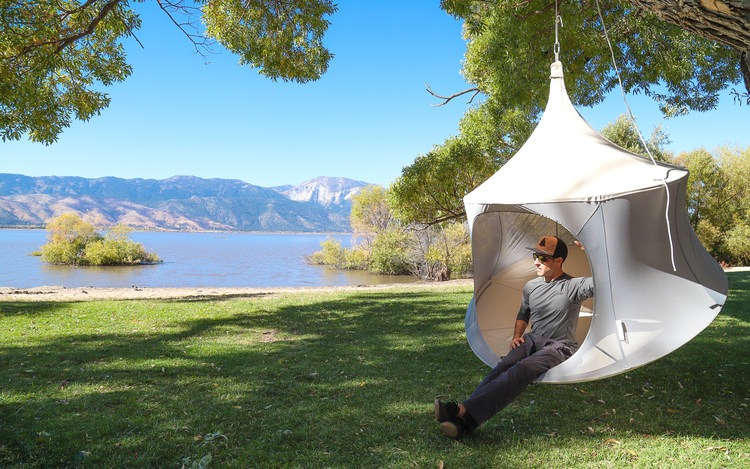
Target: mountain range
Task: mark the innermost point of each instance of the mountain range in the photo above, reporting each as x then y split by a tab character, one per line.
185	203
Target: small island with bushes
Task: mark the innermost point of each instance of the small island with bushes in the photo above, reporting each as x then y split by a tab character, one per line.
72	241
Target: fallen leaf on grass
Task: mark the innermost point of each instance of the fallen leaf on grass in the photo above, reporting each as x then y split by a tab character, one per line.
723	449
611	442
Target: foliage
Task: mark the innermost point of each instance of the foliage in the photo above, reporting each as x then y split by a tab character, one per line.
56	57
440	252
72	241
334	255
142	383
509	50
623	132
510	47
431	189
718	200
451	252
370	213
67	239
737	244
283	39
388	246
389	252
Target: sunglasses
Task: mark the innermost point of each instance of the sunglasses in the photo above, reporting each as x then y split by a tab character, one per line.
541	257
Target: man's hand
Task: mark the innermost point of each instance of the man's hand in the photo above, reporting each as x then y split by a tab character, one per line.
518	332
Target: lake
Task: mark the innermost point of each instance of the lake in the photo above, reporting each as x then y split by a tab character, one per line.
190	260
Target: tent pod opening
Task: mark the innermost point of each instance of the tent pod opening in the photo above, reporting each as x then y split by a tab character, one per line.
501	243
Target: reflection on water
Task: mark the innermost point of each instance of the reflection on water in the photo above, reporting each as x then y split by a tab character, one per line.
190	260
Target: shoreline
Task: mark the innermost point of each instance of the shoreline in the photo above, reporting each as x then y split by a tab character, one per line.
72	294
65	294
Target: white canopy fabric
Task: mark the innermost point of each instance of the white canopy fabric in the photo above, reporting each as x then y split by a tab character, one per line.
570	181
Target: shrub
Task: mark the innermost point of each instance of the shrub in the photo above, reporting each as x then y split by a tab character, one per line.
334	255
331	254
71	241
737	245
390	251
61	253
117	252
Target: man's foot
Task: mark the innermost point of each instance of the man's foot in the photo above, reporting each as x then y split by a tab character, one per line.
445	411
455	428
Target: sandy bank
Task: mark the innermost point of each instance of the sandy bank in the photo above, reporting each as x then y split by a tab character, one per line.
54	293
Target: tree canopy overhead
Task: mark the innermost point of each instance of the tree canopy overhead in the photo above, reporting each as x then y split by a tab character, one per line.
57	56
510	46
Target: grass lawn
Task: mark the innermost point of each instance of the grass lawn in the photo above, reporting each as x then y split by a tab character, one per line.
340	379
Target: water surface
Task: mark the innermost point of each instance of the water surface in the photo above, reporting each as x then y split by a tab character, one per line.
190	260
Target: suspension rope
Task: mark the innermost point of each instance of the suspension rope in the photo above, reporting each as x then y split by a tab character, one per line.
635	124
558	21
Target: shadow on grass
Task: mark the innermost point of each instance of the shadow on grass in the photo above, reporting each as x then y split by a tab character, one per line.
338	378
142	392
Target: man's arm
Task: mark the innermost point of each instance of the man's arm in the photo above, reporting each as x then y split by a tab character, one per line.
518	333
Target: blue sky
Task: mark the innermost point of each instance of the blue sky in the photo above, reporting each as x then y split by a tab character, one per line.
365	119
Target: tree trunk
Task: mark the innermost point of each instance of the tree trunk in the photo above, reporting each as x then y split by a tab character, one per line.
724	21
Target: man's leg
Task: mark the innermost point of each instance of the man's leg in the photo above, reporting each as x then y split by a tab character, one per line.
455	421
500	389
514	356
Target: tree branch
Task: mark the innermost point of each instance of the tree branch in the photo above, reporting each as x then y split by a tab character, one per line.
109	6
447	99
745	68
199	41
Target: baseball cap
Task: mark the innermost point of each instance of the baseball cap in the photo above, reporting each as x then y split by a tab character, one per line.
551	246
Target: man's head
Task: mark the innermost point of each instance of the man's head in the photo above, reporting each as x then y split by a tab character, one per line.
549	254
551	246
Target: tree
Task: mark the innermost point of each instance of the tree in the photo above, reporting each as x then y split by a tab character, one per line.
718	201
725	22
440	251
389	246
67	239
510	45
370	212
390	252
624	133
56	56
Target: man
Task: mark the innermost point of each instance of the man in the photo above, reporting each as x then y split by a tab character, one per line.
551	303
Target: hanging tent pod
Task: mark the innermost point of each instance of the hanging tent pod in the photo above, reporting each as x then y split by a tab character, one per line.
655	285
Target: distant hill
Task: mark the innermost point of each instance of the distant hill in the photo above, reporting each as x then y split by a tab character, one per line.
179	203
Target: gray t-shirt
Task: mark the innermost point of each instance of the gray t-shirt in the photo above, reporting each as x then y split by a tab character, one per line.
552	308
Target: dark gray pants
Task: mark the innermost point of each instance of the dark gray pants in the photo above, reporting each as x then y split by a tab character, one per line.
513	374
